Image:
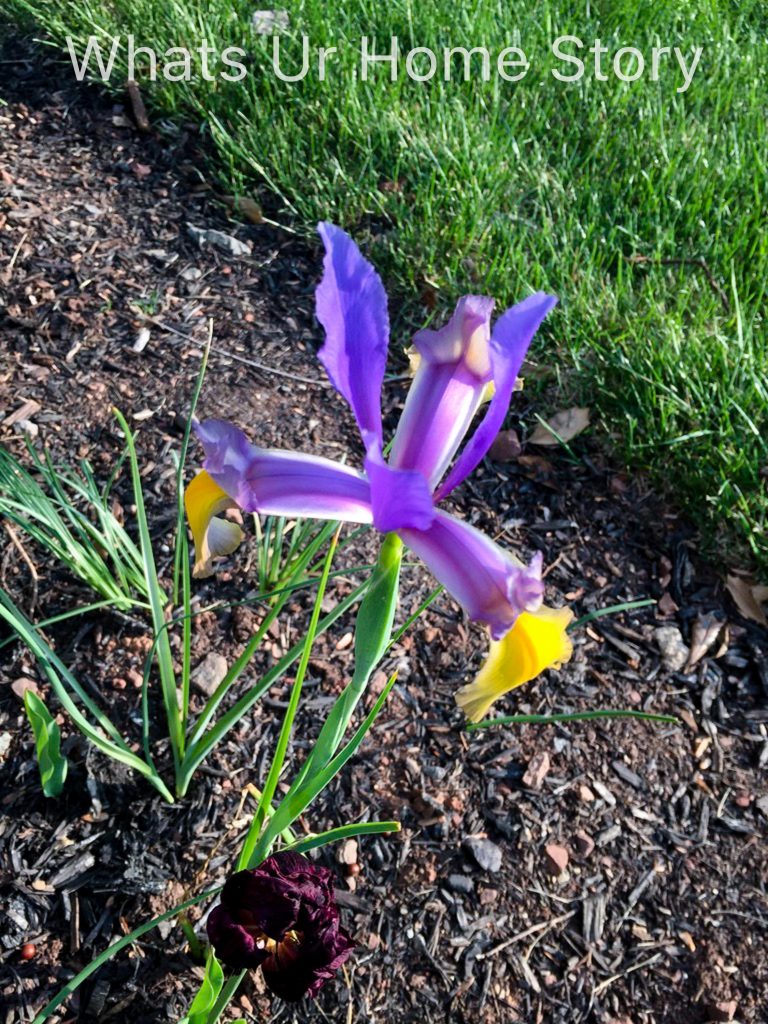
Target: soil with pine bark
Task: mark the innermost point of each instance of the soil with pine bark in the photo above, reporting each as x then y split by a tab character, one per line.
659	912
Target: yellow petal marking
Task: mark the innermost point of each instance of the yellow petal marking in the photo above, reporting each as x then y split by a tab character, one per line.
203	498
538	640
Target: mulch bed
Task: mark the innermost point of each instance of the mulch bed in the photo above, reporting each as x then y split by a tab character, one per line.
660	913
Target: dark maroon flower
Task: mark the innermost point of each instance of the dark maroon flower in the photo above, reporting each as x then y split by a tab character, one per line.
283	918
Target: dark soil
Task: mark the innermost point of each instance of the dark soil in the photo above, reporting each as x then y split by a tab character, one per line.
663	920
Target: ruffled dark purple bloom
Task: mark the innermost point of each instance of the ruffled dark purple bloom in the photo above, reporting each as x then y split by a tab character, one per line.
281	917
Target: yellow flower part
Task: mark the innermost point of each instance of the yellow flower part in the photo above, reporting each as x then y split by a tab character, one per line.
414	361
538	640
203	499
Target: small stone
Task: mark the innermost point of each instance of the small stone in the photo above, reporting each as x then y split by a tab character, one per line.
209	673
584	843
674	653
743	798
22	684
5	743
487	854
723	1009
488	896
135	678
460	883
555	858
586	795
505	447
347	852
537	770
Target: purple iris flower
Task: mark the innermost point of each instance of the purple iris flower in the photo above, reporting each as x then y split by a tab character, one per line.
282	917
458	366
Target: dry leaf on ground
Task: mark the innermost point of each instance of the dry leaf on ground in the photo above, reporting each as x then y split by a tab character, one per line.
563	426
748	597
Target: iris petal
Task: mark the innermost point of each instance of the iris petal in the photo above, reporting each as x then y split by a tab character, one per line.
491	585
282	483
212	537
512	334
538	640
351	304
400	497
451	379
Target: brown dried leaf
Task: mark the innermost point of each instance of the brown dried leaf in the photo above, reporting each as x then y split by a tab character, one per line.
563	426
707	631
748	598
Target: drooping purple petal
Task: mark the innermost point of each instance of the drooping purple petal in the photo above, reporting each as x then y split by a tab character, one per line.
487	581
351	304
447	390
282	483
512	334
400	498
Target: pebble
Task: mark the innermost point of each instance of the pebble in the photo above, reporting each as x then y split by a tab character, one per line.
723	1009
555	858
487	854
461	883
584	843
24	683
674	653
537	770
209	673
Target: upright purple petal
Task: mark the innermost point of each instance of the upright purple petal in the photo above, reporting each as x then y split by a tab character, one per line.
351	304
282	483
400	497
489	583
447	390
512	334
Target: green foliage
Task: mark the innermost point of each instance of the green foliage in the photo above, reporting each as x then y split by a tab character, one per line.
210	987
641	207
50	760
73	519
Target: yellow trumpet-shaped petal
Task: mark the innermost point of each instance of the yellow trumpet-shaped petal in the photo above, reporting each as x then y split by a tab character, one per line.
203	499
538	640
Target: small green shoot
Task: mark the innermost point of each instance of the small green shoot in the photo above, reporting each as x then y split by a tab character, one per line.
51	762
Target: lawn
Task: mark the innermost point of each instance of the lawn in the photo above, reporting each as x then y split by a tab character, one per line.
642	206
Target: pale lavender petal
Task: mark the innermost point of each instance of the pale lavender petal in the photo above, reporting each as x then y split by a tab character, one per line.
512	334
400	497
282	483
447	390
351	304
489	583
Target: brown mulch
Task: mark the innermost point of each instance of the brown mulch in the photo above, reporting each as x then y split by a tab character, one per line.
660	914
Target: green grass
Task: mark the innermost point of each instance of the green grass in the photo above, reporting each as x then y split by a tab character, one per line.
505	187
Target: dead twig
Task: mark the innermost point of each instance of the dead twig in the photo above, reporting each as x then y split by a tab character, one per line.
524	935
30	564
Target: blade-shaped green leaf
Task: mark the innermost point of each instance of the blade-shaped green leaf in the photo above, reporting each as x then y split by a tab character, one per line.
50	760
208	993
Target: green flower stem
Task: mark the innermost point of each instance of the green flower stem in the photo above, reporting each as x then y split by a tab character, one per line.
576	716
